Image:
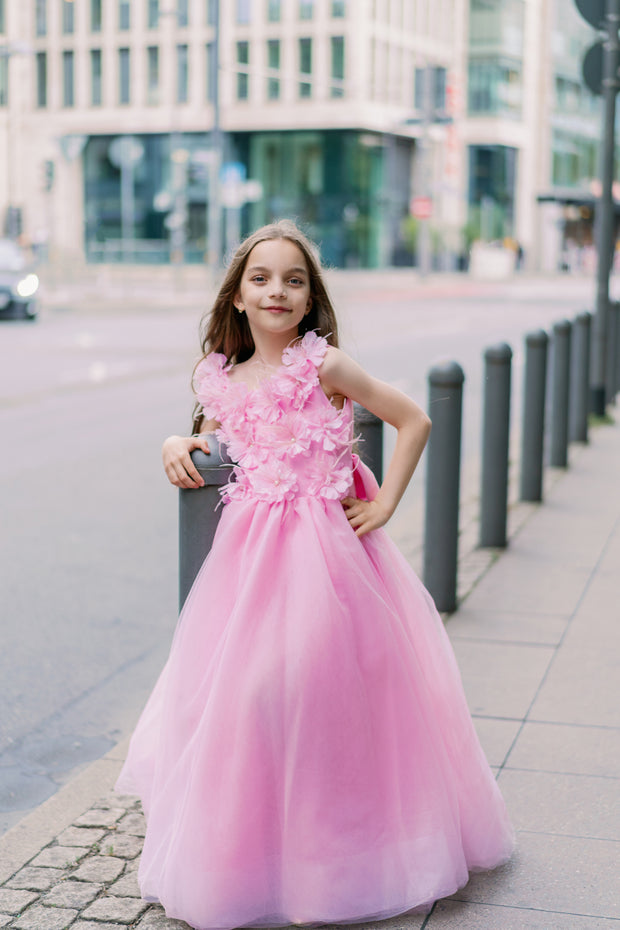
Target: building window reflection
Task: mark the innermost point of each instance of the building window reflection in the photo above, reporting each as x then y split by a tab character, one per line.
41	79
96	90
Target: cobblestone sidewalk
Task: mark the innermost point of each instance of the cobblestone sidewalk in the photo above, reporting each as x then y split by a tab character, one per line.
86	878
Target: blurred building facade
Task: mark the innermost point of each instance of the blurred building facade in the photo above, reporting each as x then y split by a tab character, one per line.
344	114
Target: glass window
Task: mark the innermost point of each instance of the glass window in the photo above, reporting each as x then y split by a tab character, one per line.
68	91
182	13
96	88
4	80
152	75
124	14
273	62
2	17
152	14
212	12
68	22
339	9
305	67
306	9
337	69
243	11
182	73
243	78
495	87
124	76
210	70
40	26
95	15
274	11
41	79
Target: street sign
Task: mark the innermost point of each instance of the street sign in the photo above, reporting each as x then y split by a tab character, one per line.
421	208
593	11
592	68
125	150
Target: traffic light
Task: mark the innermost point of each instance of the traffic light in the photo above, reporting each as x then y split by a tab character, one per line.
48	174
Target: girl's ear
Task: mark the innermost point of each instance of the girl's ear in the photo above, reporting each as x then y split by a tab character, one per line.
308	306
238	303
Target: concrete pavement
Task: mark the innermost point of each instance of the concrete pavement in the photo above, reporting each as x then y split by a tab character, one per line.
537	640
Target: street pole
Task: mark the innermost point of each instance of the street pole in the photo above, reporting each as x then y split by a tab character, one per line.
605	219
424	236
214	212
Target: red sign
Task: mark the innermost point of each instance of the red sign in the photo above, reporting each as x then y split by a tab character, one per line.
421	208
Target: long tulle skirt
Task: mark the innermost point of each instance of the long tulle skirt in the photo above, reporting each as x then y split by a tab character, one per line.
307	754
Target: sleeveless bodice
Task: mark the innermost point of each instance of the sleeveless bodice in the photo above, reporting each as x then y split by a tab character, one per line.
285	437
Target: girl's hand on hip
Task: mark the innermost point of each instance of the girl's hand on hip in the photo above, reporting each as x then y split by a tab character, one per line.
179	468
365	516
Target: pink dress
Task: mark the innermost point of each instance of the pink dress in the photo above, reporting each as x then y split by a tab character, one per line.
307	754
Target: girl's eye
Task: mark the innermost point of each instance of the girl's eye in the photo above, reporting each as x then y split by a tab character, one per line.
259	278
295	281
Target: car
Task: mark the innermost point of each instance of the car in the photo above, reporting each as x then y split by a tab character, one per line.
18	283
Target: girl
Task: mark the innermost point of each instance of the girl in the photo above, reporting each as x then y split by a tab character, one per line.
307	754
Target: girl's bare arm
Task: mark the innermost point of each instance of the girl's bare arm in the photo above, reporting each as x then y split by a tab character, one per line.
177	460
339	374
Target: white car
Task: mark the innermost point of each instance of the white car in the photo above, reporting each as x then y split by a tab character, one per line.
18	283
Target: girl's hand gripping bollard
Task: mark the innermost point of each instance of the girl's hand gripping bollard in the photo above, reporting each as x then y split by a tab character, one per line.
199	513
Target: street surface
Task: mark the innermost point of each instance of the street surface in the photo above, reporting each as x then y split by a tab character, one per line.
88	574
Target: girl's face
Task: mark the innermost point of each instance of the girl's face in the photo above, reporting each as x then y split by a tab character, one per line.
274	290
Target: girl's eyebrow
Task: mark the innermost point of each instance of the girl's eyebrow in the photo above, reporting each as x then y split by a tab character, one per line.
296	269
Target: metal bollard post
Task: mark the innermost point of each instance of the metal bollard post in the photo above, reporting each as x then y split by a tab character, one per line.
560	393
610	361
370	429
198	516
617	354
443	469
611	364
533	428
579	405
495	442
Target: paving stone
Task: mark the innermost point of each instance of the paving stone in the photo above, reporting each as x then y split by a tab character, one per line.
80	836
5	919
96	925
126	887
36	879
72	894
12	902
449	915
126	801
125	846
96	817
133	823
121	910
99	869
155	919
60	857
45	918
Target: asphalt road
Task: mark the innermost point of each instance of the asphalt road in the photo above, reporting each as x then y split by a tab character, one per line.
88	572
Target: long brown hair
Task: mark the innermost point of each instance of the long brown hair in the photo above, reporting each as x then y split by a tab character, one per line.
223	329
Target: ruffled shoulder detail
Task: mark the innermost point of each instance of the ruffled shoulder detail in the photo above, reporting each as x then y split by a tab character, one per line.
210	382
311	348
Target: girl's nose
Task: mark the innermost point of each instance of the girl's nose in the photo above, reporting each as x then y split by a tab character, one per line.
278	289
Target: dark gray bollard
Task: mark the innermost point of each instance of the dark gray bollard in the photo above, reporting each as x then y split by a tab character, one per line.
617	354
443	472
370	429
533	426
611	364
199	513
560	393
495	441
579	405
